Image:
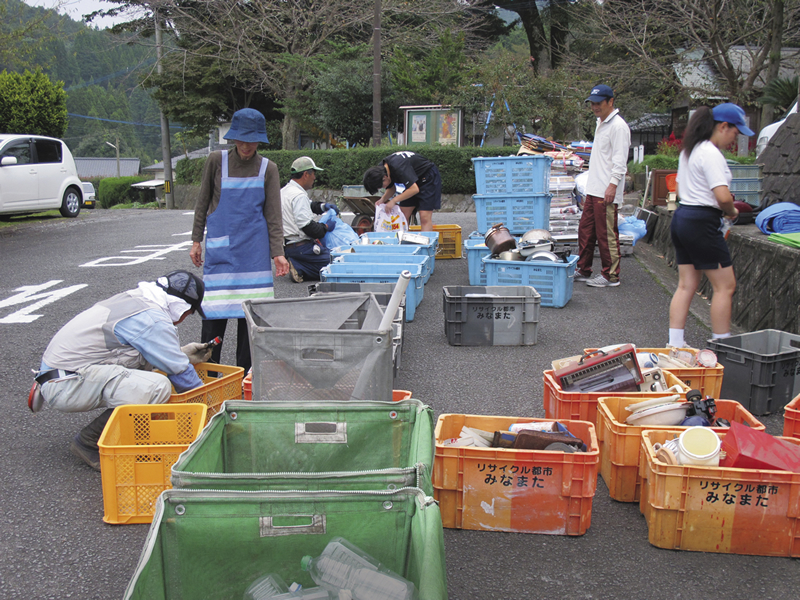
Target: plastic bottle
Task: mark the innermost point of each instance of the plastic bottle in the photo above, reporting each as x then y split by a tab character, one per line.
272	587
343	566
268	586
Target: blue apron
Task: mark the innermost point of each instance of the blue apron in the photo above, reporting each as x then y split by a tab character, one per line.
237	265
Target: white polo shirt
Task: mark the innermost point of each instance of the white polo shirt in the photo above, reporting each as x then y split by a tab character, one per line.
608	161
698	175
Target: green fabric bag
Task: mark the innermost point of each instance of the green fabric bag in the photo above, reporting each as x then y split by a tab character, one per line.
787	239
334	445
213	545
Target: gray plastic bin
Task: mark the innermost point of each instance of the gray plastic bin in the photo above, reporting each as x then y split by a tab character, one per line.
383	293
324	347
480	315
760	368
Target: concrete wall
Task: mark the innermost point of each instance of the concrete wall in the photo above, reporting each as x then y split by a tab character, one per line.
767	283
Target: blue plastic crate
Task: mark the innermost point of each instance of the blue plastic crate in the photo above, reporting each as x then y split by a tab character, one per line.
378	249
377	273
747	171
745	185
512	174
389	238
519	213
552	280
394	259
476	249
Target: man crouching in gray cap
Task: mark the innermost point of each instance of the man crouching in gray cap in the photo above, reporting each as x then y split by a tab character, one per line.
103	357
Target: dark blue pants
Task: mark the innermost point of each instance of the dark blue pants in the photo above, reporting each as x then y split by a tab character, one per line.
305	261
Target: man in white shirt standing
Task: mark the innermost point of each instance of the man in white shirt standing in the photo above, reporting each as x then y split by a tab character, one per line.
608	164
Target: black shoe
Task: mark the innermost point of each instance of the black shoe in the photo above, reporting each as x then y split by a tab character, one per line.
91	456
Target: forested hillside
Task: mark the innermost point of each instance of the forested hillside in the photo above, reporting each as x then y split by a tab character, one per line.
101	74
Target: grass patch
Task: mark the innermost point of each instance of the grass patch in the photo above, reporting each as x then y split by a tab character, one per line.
136	205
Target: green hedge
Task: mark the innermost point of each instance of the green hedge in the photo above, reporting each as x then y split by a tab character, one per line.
118	190
346	167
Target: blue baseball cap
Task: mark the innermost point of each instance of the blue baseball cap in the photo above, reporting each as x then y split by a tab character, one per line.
732	114
600	93
248	125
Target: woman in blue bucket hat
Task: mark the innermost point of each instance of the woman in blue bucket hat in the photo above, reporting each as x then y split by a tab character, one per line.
240	206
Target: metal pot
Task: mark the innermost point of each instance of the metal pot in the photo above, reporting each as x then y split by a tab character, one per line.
511	255
499	239
544	255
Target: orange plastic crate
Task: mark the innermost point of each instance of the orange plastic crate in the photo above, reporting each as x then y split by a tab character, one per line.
620	443
449	240
559	404
399	395
526	491
220	383
247	390
247	387
706	379
138	447
791	418
715	509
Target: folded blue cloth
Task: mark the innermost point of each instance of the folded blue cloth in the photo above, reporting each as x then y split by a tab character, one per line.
783	217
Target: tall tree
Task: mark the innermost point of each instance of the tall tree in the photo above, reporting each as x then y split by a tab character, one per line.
648	40
267	47
546	26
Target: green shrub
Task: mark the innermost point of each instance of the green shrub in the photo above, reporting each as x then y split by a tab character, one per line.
189	170
654	161
346	167
118	190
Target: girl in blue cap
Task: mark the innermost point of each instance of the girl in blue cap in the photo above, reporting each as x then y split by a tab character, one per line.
240	204
705	199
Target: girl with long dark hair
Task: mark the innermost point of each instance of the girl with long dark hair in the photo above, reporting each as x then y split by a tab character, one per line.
705	200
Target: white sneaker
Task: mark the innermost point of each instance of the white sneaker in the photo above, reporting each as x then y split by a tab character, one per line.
600	281
579	277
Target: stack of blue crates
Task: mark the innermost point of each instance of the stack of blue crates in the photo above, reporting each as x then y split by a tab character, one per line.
514	191
369	262
746	183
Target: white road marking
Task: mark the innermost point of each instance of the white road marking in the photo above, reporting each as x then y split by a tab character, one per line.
31	292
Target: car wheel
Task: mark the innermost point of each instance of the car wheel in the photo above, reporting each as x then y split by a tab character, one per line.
71	204
362	224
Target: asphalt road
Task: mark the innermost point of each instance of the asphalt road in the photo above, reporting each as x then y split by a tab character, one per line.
55	544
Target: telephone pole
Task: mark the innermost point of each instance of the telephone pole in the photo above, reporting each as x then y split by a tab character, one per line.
376	76
166	152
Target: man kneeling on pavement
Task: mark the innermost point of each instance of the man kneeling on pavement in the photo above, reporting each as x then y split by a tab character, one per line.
104	357
302	234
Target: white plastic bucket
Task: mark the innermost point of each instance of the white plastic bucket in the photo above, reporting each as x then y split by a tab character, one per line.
699	446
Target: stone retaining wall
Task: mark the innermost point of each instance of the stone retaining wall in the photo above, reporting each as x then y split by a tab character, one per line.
767	281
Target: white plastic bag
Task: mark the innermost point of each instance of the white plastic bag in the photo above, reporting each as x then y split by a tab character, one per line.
392	220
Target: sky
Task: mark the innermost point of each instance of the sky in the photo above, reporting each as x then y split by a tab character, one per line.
75	9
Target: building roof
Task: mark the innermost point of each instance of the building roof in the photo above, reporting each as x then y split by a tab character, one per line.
697	73
159	166
90	168
649	121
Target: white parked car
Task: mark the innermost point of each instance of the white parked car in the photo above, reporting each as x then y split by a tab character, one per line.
89	196
38	173
765	135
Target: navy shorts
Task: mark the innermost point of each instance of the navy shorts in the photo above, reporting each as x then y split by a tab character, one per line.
697	238
429	196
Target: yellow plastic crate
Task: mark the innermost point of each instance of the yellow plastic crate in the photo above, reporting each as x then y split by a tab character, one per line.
220	383
449	240
138	447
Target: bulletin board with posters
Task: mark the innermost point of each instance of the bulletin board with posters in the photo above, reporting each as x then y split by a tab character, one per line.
432	125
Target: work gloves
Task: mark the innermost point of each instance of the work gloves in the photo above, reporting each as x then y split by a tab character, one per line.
330	225
331	206
197	352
